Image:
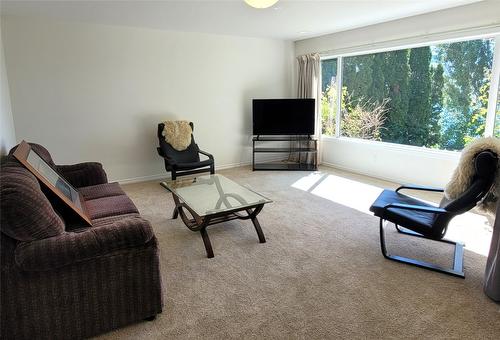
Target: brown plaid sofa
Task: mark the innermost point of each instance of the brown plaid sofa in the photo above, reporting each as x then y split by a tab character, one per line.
60	280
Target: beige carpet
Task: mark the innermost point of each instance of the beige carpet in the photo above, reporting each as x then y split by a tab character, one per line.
320	275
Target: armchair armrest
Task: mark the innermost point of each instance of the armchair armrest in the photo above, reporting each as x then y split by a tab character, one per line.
74	247
422	208
419	187
171	162
160	152
209	155
83	174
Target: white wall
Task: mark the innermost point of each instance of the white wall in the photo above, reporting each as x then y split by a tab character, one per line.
396	163
7	133
96	93
389	161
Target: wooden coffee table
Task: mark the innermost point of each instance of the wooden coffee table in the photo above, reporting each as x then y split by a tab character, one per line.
213	199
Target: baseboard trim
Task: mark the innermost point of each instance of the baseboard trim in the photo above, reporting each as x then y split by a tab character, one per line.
165	175
142	178
240	164
232	165
364	173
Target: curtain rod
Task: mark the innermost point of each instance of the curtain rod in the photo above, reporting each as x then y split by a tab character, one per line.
446	35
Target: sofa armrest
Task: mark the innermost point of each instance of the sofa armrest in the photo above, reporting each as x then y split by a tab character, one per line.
73	247
83	174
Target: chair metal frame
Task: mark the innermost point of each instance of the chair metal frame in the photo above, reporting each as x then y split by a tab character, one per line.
457	269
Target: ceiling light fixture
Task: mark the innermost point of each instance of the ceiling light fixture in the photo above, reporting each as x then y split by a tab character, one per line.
261	3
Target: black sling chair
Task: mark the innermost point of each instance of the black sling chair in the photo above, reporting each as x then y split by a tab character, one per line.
185	162
427	221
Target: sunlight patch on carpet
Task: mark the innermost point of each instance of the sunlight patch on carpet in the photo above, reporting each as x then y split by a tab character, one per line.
352	194
469	228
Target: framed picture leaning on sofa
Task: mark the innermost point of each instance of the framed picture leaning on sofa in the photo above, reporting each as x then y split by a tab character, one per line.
51	179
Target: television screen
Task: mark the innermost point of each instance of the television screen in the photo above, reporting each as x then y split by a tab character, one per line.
283	116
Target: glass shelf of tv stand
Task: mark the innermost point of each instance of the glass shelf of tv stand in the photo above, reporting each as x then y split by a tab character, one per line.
306	148
284	149
283	138
284	166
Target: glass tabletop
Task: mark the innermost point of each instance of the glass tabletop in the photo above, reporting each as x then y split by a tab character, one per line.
211	194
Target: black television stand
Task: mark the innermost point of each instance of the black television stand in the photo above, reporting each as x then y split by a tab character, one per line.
302	152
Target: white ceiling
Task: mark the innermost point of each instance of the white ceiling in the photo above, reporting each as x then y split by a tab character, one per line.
288	19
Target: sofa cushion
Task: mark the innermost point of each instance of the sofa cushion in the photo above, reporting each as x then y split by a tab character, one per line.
104	221
26	215
109	206
72	247
101	190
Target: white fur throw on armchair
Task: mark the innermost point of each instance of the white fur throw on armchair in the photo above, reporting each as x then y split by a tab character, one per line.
462	176
177	133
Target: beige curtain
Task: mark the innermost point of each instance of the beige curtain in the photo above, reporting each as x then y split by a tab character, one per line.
309	80
492	273
308	75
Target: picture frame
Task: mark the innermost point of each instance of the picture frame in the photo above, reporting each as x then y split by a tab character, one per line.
51	179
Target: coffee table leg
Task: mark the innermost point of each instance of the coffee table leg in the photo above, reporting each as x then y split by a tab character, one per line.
206	241
258	229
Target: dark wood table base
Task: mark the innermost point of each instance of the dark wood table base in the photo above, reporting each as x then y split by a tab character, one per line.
200	224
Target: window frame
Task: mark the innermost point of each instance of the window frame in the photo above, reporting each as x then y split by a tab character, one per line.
492	95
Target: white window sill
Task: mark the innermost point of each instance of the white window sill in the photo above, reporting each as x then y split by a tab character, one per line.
417	150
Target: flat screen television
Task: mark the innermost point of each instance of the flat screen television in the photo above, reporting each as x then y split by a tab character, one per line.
283	116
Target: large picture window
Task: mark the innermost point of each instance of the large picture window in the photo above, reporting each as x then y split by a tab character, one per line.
433	96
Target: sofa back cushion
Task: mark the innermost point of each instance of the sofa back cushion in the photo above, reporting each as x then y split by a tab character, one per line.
40	150
27	215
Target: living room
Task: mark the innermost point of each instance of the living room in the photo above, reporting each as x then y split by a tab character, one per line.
91	80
